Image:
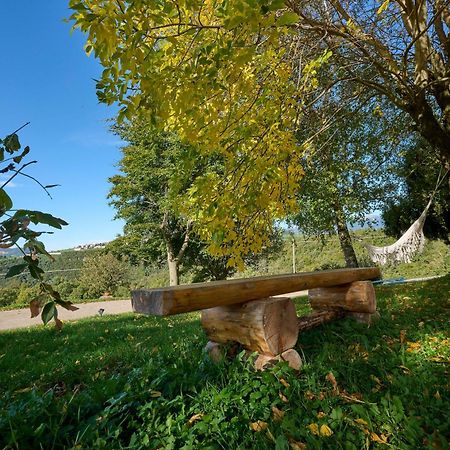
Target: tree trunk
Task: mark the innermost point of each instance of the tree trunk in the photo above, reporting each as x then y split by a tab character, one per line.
344	238
173	270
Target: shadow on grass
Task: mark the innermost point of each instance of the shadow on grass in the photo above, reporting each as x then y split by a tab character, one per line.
145	383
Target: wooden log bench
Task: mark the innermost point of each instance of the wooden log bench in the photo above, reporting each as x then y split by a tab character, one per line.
245	311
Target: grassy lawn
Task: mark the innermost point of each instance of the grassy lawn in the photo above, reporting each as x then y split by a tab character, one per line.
142	382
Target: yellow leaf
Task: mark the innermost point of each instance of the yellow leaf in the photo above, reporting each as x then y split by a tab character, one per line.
284	382
320	414
194	419
330	377
314	428
361	422
383	7
325	430
155	394
259	425
382	439
402	336
295	445
283	398
277	414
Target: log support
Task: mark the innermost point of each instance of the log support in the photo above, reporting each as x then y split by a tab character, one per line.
267	326
358	296
270	326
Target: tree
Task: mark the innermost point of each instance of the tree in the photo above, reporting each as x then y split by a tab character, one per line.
398	49
15	230
232	76
103	273
223	76
349	173
144	195
417	174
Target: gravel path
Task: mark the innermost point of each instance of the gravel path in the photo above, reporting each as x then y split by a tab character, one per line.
20	318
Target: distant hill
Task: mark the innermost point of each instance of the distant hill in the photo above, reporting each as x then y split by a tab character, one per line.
5	252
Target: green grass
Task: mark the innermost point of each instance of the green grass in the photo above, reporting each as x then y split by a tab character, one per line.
136	382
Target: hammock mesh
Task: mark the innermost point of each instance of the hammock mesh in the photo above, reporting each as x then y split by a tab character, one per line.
404	250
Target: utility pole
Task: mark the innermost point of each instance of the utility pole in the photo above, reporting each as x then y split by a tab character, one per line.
294	269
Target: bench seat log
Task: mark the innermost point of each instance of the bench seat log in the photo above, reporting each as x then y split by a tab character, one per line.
267	326
198	296
358	296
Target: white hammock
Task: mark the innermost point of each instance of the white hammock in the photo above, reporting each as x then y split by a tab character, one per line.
404	250
411	243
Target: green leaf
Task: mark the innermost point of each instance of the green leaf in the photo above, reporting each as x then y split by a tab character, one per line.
48	312
12	143
19	158
36	272
5	201
288	18
40	217
15	270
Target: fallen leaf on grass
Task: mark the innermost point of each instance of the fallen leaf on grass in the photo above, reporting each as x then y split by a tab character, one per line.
413	346
314	428
320	415
309	395
296	445
330	377
402	336
379	439
352	398
155	394
277	414
194	419
360	421
325	430
284	383
283	398
259	425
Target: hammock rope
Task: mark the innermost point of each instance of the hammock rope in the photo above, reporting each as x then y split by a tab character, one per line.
410	243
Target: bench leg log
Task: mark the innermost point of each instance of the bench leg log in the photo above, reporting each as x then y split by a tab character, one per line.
267	326
291	356
356	297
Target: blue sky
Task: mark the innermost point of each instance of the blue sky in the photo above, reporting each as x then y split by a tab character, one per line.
47	79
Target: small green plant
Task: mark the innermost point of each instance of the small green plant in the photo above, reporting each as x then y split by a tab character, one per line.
15	229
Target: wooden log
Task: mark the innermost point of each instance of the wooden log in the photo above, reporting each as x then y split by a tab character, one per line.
215	351
318	318
291	356
366	318
197	296
266	326
358	296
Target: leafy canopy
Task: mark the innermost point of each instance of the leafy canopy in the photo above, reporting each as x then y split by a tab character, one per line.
222	75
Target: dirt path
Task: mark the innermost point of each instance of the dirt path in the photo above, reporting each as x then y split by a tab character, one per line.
20	318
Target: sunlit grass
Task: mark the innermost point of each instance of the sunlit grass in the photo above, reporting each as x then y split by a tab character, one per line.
142	382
